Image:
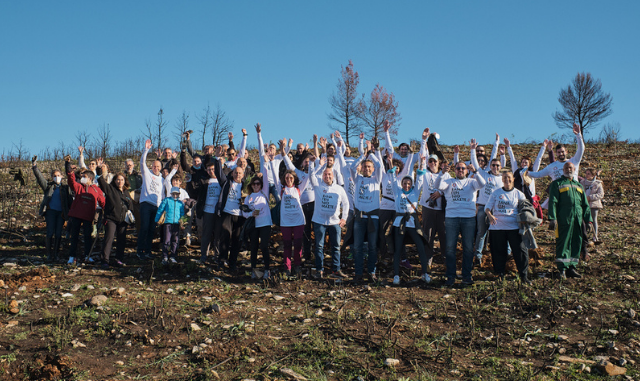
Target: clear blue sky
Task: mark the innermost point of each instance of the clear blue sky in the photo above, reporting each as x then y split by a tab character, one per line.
463	68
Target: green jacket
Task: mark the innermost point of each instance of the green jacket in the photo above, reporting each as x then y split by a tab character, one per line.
567	202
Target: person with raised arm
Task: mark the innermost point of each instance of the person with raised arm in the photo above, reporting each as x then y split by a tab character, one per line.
493	181
404	150
460	219
366	208
520	182
432	204
481	157
54	207
150	199
307	198
232	220
555	170
388	203
348	174
406	222
232	154
83	209
501	210
209	182
118	203
328	219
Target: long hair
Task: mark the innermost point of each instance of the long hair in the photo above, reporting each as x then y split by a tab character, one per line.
296	180
126	180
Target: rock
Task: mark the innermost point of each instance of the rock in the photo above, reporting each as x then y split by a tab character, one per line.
292	375
169	291
22	288
119	363
631	313
572	360
610	369
13	304
77	344
622	361
1	283
195	327
215	374
613	331
562	351
67	295
75	287
98	300
195	349
117	291
278	297
579	308
563	337
215	308
318	312
90	287
551	368
9	265
391	362
11	323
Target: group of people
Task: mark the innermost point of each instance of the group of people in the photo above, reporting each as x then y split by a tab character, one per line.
372	204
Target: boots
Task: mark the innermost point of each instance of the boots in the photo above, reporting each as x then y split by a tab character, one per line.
56	248
47	246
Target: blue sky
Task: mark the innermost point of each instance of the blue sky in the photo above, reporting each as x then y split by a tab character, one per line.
466	69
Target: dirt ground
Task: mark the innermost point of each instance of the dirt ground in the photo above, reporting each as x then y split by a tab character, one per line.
194	322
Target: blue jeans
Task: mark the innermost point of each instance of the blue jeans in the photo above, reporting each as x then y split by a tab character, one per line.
334	242
483	228
147	227
360	231
454	226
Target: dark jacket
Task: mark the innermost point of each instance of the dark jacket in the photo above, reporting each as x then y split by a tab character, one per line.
49	187
203	185
135	180
197	174
117	203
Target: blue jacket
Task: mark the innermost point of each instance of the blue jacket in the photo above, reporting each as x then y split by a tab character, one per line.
174	209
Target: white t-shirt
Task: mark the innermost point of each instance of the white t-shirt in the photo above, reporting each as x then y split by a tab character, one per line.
233	199
291	213
428	188
257	201
493	182
504	207
213	193
460	195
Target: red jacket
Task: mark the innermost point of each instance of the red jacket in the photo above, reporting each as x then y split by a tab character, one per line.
84	204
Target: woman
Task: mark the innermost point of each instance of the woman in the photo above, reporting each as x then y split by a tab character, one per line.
406	222
54	207
595	193
118	203
523	183
502	212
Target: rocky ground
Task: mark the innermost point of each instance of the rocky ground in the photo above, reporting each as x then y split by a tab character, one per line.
193	322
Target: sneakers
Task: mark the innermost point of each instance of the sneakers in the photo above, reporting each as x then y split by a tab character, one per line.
572	273
337	274
104	265
89	260
143	256
562	275
396	280
165	261
118	263
467	282
405	263
450	282
318	274
172	260
357	279
71	261
478	258
266	275
425	278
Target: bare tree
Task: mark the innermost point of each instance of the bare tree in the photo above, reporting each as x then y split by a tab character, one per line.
381	106
205	123
83	138
182	125
156	132
103	141
344	104
583	102
19	151
220	126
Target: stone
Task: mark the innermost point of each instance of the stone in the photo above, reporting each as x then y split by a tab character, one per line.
195	327
90	287
9	265
117	291
391	362
195	349
572	360
610	369
292	375
318	312
613	331
67	295
98	300
1	283
631	313
119	363
215	308
622	361
22	288
77	344
278	297
75	287
169	291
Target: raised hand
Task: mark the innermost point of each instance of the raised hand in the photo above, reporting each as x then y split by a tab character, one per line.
147	144
258	128
456	149
473	144
331	136
375	142
34	159
174	154
337	134
99	162
315	139
230	135
507	142
501	150
81	149
290	142
368	144
361	136
550	145
306	146
323	160
323	142
244	131
576	128
471	168
497	137
425	133
386	125
545	143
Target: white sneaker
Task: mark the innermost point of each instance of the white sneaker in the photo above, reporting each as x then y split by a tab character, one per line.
71	261
172	260
425	278
89	260
396	280
266	275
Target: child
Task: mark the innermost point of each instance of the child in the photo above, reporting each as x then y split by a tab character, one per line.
174	209
595	193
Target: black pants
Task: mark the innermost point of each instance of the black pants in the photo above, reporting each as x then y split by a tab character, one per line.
417	240
117	230
499	240
210	234
386	231
307	243
230	238
87	227
432	224
260	238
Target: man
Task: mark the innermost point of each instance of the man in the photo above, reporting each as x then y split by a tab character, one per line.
208	187
231	219
568	208
432	205
366	210
555	170
330	198
460	219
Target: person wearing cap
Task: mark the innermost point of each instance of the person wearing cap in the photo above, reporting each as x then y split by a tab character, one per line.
432	205
173	208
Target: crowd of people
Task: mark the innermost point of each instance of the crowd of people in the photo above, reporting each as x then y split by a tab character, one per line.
367	207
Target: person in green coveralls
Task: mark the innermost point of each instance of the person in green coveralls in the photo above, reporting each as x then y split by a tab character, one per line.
568	206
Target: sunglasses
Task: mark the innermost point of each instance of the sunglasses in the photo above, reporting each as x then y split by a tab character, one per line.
495	165
460	168
254	184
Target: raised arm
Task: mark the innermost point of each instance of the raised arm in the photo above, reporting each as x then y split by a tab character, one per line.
577	158
494	150
512	158
243	144
474	160
536	164
81	157
42	182
312	174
